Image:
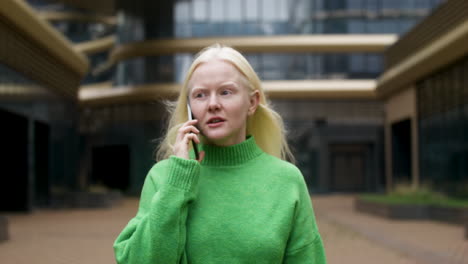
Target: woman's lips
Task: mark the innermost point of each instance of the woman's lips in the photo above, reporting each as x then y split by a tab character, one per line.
215	121
214	125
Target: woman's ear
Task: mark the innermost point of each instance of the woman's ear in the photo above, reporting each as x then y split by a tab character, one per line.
254	100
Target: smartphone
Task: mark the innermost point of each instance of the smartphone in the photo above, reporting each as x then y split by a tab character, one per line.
190	117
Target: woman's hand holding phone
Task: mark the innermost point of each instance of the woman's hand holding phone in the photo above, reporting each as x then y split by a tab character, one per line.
190	117
186	134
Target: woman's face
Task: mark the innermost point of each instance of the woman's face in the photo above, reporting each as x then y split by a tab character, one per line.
221	102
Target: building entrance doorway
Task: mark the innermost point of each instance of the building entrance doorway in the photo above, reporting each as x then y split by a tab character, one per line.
15	184
348	167
111	166
401	151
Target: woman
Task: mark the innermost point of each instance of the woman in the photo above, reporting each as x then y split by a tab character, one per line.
240	202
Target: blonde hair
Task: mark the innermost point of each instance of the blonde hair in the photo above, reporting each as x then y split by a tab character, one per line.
265	124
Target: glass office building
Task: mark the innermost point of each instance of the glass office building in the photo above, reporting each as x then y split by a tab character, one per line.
205	18
425	90
443	127
213	18
325	134
338	141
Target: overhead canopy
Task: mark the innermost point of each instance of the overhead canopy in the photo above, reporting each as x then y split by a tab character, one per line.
34	48
446	39
53	16
104	93
257	44
98	6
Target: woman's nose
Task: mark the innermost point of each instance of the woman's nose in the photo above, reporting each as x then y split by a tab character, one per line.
213	103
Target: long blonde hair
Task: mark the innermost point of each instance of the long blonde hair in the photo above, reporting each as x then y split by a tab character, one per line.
265	124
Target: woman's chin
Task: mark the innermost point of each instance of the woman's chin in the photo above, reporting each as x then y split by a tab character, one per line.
223	139
215	138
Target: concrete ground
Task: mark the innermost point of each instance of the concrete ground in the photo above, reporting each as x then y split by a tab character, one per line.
86	236
352	237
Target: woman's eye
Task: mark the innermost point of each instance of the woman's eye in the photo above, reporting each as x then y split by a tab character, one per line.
226	92
198	95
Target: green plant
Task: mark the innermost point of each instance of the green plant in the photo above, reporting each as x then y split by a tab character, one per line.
421	195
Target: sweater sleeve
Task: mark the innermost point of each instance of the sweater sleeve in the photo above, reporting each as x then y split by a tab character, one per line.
157	234
305	243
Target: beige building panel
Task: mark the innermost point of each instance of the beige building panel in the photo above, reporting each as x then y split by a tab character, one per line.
319	89
436	55
24	18
96	46
258	44
399	107
53	16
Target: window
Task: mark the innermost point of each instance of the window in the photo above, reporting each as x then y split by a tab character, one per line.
254	61
391	4
356	26
374	63
373	5
216	11
405	24
200	10
421	4
389	25
336	25
182	12
283	10
182	30
251	10
233	8
357	63
373	26
269	10
355	4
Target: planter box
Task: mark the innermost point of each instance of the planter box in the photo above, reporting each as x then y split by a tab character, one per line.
392	211
449	215
423	212
3	228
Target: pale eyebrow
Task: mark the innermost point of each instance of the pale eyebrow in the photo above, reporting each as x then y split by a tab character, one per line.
229	84
196	88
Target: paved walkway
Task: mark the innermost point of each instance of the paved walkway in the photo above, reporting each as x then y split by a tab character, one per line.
86	236
352	237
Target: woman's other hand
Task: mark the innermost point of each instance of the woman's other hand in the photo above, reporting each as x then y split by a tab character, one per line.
186	133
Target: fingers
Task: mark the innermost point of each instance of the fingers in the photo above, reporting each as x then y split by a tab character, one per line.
201	155
186	133
187	127
189	137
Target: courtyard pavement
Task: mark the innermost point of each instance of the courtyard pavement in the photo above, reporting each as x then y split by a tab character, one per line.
86	236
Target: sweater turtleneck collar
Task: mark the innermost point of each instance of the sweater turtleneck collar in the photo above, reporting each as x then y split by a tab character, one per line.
231	155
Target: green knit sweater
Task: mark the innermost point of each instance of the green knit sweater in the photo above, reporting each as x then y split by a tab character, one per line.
240	205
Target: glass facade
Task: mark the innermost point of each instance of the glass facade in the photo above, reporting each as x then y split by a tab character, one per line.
218	18
79	31
146	20
74	30
201	18
83	31
443	128
277	66
323	133
209	18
